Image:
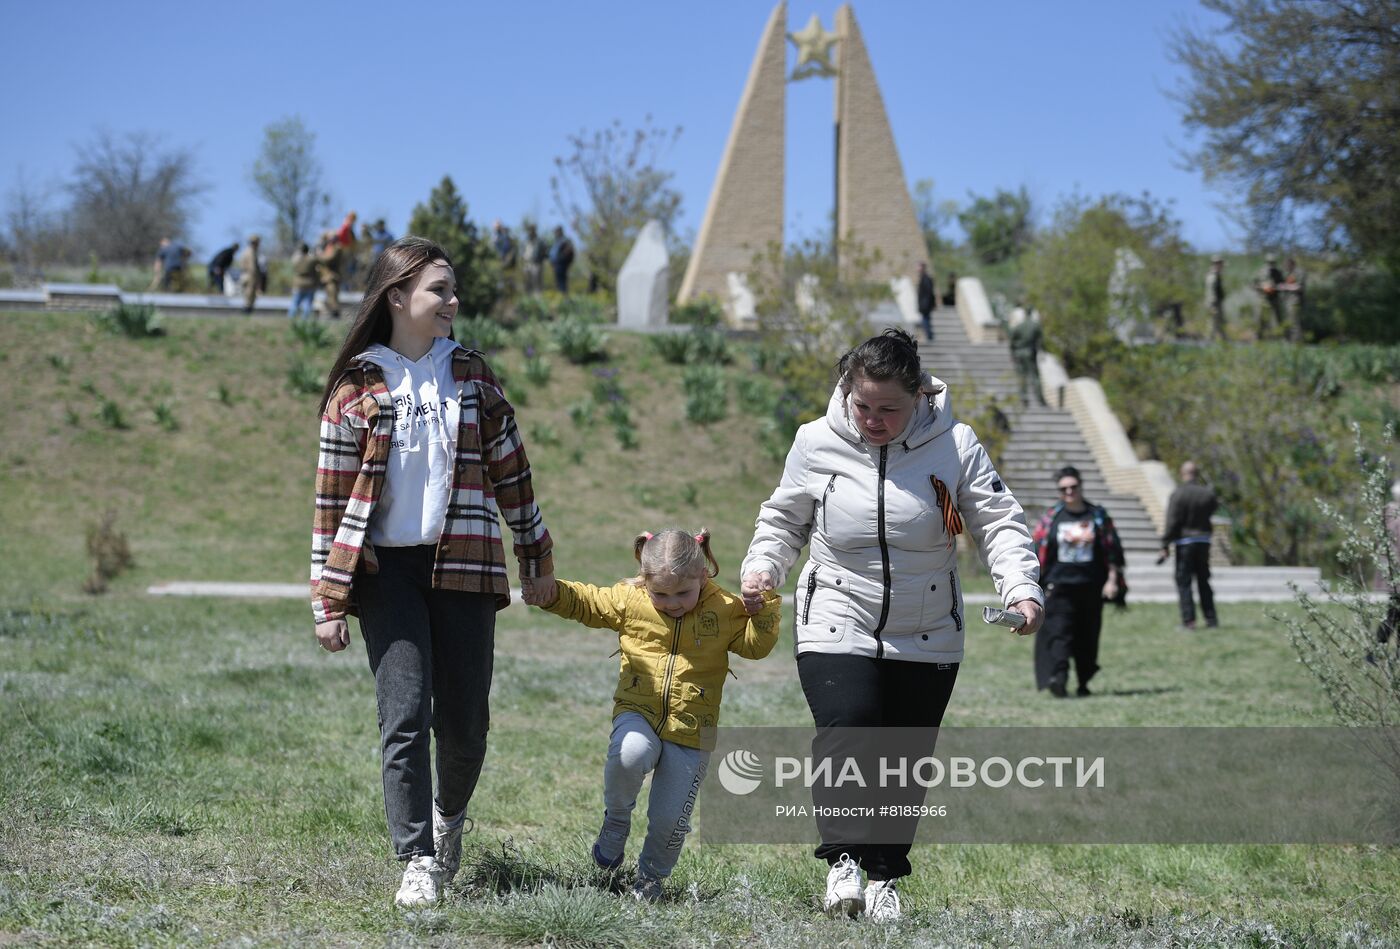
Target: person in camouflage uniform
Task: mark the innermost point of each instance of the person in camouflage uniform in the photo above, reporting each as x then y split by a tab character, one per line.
1266	284
1024	336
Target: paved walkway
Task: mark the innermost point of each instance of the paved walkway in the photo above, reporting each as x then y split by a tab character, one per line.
1146	586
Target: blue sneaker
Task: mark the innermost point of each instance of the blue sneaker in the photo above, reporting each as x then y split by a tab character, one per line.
604	863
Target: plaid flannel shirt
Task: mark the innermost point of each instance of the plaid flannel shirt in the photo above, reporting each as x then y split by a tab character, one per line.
491	477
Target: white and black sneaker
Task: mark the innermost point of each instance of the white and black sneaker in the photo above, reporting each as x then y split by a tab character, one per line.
447	841
844	895
881	902
422	884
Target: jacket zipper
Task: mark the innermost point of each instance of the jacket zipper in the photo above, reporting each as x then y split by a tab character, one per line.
811	592
884	556
670	667
953	584
830	486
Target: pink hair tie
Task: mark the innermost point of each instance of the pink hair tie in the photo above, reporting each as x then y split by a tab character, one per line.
648	535
700	538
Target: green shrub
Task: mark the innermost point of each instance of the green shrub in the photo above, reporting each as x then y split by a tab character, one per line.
544	435
109	413
709	345
533	309
757	396
303	378
223	394
705	397
165	417
626	436
580	341
705	311
60	362
481	333
581	413
588	309
672	347
537	369
132	320
310	333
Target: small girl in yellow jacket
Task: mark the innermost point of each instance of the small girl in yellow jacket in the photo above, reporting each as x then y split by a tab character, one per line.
676	628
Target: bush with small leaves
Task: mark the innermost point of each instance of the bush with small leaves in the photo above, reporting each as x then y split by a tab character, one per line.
310	333
302	377
672	347
581	413
705	311
587	309
482	333
709	345
626	436
60	362
537	368
580	341
132	320
544	435
109	413
165	417
706	400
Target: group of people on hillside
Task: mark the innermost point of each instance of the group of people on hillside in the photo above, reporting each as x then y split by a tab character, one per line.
421	458
336	261
530	252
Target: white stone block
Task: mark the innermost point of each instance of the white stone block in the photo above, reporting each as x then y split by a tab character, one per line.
642	285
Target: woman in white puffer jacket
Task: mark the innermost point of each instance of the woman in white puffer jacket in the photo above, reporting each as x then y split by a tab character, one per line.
881	487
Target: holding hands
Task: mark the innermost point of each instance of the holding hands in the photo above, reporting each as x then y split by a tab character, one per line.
539	591
333	635
751	590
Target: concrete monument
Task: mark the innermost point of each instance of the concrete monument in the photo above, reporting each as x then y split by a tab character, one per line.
745	212
642	284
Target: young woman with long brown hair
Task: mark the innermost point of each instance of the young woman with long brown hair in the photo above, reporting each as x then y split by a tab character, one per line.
419	457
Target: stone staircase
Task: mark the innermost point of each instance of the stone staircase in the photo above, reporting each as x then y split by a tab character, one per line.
1043	439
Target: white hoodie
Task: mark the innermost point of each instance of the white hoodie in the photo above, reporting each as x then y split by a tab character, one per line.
882	578
418	483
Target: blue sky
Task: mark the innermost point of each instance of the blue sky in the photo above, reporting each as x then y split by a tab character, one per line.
1063	98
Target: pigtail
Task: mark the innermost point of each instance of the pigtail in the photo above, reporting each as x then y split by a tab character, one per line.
639	542
703	539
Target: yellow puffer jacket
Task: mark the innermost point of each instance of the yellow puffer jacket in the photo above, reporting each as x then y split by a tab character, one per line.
673	669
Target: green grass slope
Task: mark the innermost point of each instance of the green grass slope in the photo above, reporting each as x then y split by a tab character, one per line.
196	772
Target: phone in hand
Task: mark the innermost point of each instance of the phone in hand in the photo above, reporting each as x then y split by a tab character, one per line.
1008	618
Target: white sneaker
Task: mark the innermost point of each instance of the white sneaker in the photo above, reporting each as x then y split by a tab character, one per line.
447	844
422	884
843	890
881	902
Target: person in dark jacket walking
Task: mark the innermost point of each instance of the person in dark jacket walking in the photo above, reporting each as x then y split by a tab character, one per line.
928	299
1081	565
219	265
561	256
1188	531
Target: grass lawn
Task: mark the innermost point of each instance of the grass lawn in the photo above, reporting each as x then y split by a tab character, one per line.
184	772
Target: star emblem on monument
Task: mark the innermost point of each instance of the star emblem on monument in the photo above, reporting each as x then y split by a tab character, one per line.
813	51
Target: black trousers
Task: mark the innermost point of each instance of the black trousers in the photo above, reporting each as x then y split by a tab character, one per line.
847	692
1073	620
431	654
1193	563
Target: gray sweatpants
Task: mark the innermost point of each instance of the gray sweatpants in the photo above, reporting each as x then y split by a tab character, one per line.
431	654
676	774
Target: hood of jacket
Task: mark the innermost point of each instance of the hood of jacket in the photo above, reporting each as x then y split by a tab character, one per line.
932	416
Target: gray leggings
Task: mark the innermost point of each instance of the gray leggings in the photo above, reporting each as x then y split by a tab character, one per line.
676	775
430	652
